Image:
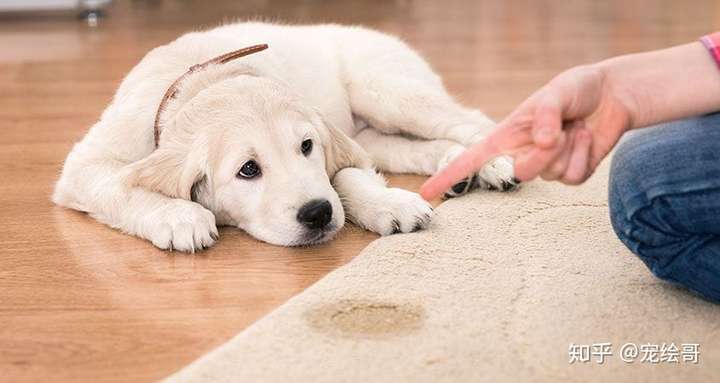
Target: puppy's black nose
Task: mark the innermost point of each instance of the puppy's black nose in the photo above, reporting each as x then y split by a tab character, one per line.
315	214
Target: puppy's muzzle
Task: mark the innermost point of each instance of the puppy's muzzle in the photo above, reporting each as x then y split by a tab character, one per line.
315	214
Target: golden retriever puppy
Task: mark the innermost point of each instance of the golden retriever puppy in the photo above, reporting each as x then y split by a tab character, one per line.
283	143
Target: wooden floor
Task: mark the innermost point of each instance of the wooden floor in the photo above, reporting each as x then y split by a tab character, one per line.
82	302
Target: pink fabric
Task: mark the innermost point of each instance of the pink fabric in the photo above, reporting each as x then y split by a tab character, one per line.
712	43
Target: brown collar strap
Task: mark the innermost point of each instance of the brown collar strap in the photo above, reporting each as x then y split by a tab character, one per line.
172	91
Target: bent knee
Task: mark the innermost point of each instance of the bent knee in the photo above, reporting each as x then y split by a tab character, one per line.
652	216
641	199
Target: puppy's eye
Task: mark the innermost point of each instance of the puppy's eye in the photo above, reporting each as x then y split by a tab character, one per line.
249	169
306	147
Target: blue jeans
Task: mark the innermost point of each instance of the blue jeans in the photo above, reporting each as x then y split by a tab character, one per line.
664	198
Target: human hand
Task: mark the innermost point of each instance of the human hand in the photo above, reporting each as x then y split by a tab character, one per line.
561	132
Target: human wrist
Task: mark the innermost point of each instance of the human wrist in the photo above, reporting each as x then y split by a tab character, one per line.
664	85
628	99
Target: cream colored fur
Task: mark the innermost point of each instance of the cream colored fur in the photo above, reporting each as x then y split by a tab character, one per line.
361	97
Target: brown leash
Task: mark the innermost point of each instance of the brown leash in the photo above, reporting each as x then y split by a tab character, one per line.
172	90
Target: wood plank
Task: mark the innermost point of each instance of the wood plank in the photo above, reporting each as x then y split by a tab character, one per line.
82	302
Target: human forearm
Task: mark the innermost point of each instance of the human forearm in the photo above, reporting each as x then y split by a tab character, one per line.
566	128
664	85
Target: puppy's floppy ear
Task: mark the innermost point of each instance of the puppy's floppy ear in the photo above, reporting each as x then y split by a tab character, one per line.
169	171
340	150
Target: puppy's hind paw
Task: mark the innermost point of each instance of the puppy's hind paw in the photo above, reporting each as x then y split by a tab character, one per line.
498	174
463	186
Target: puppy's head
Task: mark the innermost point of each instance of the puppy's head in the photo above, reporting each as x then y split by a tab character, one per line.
249	150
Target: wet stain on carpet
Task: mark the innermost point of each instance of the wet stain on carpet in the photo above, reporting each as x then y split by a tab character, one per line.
359	318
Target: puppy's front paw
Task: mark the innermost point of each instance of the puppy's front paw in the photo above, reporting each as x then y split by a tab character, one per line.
396	211
181	225
498	174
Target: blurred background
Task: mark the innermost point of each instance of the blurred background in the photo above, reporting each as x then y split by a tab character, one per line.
484	49
82	302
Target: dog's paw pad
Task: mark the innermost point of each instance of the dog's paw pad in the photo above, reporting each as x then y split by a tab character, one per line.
510	185
421	223
462	187
396	226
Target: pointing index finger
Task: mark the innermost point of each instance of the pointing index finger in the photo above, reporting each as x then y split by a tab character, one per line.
468	162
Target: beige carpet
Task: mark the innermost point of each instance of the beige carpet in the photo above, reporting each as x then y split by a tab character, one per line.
496	290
